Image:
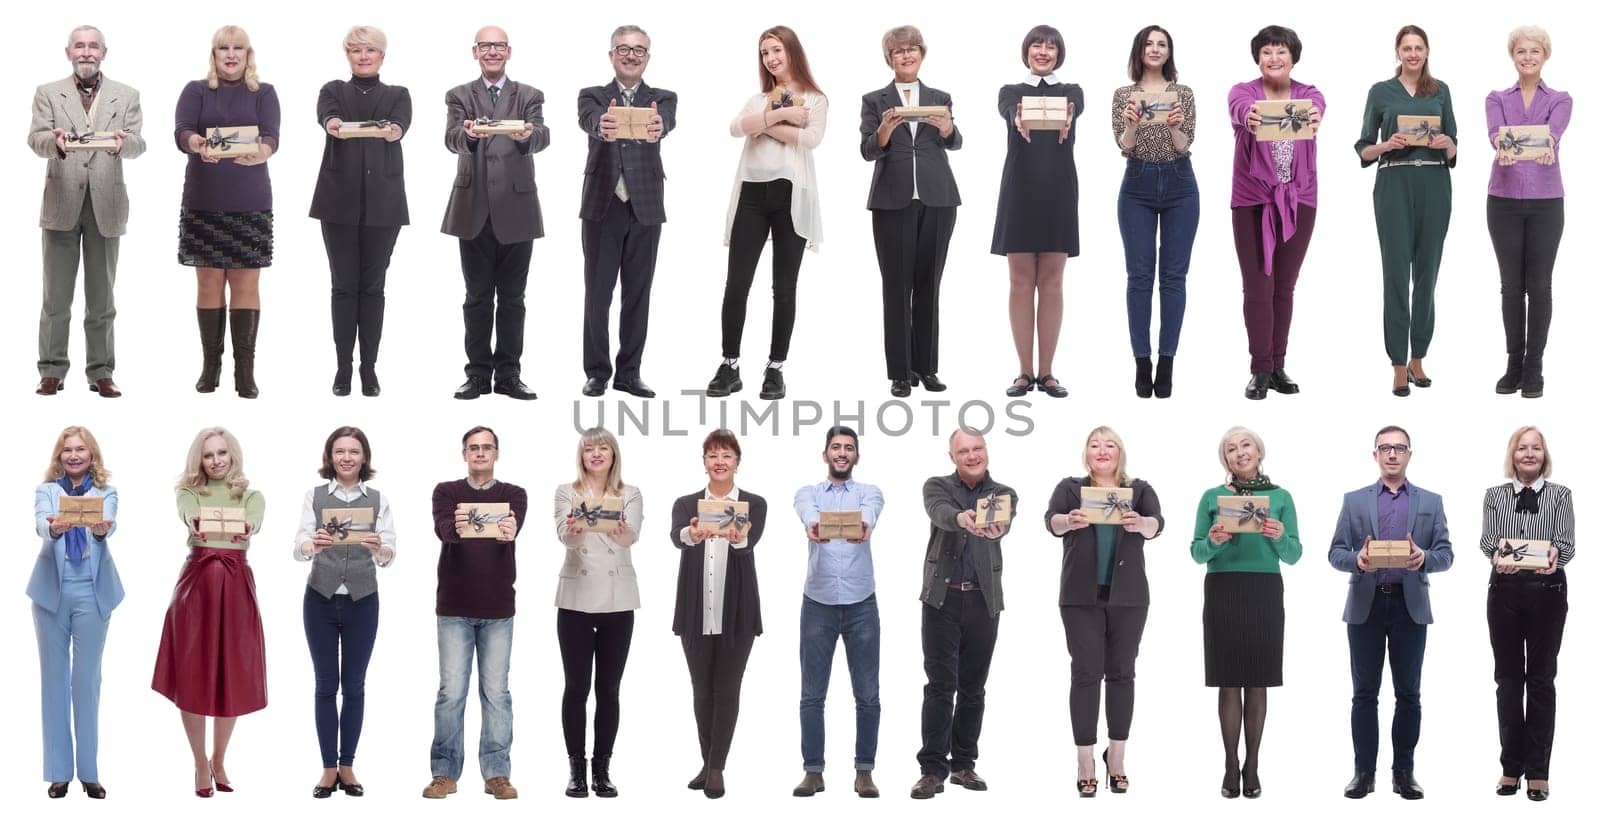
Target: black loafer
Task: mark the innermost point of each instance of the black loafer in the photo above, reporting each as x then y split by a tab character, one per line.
1282	383
634	387
594	386
1256	390
324	792
929	381
472	388
514	388
1359	786
900	388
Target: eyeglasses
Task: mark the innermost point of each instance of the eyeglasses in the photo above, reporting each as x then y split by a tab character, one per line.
493	46
902	51
631	51
1396	450
481	448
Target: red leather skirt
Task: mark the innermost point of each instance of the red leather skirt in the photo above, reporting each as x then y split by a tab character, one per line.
213	657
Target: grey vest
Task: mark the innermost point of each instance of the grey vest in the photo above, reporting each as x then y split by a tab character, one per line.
350	564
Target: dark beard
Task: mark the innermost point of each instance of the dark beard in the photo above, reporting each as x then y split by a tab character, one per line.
835	475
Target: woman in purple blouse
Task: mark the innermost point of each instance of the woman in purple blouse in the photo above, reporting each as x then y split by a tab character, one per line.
1525	211
1274	205
225	224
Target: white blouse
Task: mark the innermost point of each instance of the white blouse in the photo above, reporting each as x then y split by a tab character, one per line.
769	159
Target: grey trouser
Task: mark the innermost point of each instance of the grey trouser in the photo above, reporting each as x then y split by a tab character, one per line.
61	254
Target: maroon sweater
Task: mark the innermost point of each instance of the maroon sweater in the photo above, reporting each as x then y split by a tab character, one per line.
476	577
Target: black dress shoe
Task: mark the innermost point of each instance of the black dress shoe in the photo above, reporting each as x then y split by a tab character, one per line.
1508	789
473	387
369	382
969	779
95	791
698	782
1406	785
633	387
57	790
929	381
341	384
1252	783
1230	784
1020	386
1538	795
514	388
1359	786
725	382
594	386
715	787
324	792
351	789
927	787
772	385
1050	386
1282	383
1256	390
900	388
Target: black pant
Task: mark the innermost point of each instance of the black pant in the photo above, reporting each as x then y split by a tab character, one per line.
763	208
495	273
1526	234
1527	614
911	244
716	669
957	646
1103	642
358	259
617	242
1388	627
593	646
332	622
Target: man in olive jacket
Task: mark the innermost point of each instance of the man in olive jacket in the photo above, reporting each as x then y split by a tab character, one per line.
961	603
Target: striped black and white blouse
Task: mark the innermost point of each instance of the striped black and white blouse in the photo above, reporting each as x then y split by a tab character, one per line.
1553	523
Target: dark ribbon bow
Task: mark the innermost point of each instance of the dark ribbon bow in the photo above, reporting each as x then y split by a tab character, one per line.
74	136
342	528
481	520
592	515
1111	504
1425	130
730	517
1148	108
1246	513
219	141
1515	552
1292	118
784	100
1515	143
382	123
991	508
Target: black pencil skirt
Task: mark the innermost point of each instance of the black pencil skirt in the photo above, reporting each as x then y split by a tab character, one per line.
1244	630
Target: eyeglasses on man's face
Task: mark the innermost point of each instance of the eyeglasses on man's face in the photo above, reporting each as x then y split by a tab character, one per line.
487	46
1395	450
630	51
481	448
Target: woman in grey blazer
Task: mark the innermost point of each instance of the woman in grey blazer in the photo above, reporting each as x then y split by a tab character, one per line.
595	600
74	588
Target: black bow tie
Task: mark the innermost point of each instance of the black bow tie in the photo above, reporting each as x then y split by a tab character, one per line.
1527	500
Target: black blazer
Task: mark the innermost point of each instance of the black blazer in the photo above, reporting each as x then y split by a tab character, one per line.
494	174
741	599
891	176
1080	554
638	162
362	180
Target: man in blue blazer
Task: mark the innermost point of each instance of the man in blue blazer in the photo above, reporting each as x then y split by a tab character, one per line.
1388	607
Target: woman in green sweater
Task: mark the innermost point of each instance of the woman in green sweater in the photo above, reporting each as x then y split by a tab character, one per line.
1244	600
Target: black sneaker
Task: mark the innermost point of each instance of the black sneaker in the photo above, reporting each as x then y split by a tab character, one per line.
772	384
725	381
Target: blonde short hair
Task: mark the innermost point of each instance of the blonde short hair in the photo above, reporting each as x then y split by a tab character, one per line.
98	471
366	36
600	436
1222	448
223	35
1511	451
1532	34
1122	451
194	478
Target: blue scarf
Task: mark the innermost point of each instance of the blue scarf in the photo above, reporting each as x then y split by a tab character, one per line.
77	537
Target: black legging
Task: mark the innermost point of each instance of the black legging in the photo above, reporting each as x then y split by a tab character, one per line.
1103	642
597	645
1526	234
763	208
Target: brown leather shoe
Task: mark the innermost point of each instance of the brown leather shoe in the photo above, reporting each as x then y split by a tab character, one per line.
106	388
500	787
927	787
440	787
969	779
864	785
48	386
810	785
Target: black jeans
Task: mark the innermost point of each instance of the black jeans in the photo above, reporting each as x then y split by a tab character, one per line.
332	623
957	645
716	669
594	647
358	259
763	209
1103	642
1527	614
1526	234
496	277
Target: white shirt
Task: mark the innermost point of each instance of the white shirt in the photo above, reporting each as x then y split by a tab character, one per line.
622	188
715	551
911	94
767	159
309	522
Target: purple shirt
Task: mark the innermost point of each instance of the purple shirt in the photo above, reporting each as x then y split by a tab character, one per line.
1527	179
1255	176
1394	518
225	186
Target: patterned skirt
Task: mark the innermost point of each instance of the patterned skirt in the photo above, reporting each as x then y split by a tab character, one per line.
1244	630
224	240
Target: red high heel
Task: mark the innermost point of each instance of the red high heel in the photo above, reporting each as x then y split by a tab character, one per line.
221	787
204	791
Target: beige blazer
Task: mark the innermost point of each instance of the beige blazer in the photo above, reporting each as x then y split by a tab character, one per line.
67	176
597	576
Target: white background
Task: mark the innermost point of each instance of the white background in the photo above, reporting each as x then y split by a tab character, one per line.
1319	441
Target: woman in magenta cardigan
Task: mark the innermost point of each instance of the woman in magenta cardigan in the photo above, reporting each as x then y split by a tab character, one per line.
1274	206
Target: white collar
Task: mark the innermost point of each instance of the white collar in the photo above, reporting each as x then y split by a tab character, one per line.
733	495
504	81
1518	487
334	486
1034	80
904	86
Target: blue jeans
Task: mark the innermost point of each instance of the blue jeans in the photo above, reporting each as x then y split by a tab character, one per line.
71	640
821	626
459	637
1388	624
335	625
1157	197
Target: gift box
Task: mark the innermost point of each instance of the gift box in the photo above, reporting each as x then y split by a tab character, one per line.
490	126
597	514
364	129
1243	514
222	522
1153	107
348	526
917	113
1418	129
1524	143
994	509
839	525
1046	113
1388	553
1105	506
80	511
1532	554
90	141
483	519
784	98
233	141
721	516
633	122
1284	120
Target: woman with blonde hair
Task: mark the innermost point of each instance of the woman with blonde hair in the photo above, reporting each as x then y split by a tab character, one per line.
1105	597
1243	612
212	661
74	588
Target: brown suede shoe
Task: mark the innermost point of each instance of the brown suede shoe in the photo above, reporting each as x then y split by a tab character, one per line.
440	787
500	787
969	779
927	787
864	785
810	785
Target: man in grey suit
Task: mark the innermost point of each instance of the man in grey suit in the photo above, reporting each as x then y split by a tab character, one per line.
1388	608
494	210
85	206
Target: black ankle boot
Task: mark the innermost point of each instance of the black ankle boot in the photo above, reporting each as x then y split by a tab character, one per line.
1163	383
578	784
1142	384
341	379
1532	377
1511	382
213	326
602	776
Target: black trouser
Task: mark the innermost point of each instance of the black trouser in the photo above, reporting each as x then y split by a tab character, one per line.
911	244
495	274
763	208
594	647
1526	234
957	645
334	623
615	243
716	669
1527	614
1103	642
358	259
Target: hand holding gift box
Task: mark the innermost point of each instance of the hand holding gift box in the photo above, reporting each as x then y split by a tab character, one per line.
1286	120
1152	107
1522	555
632	122
1106	506
347	526
232	141
1524	143
221	522
486	520
846	525
1419	130
1388	553
727	518
602	514
917	113
1243	514
80	511
485	127
74	141
364	129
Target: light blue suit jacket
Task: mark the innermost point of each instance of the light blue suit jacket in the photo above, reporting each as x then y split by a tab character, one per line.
44	587
1358	519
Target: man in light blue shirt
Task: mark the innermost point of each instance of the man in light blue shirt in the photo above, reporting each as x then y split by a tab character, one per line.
839	602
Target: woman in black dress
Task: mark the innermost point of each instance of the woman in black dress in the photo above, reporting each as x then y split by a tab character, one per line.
1036	224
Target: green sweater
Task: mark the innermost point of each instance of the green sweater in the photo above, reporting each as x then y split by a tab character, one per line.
1246	552
217	496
